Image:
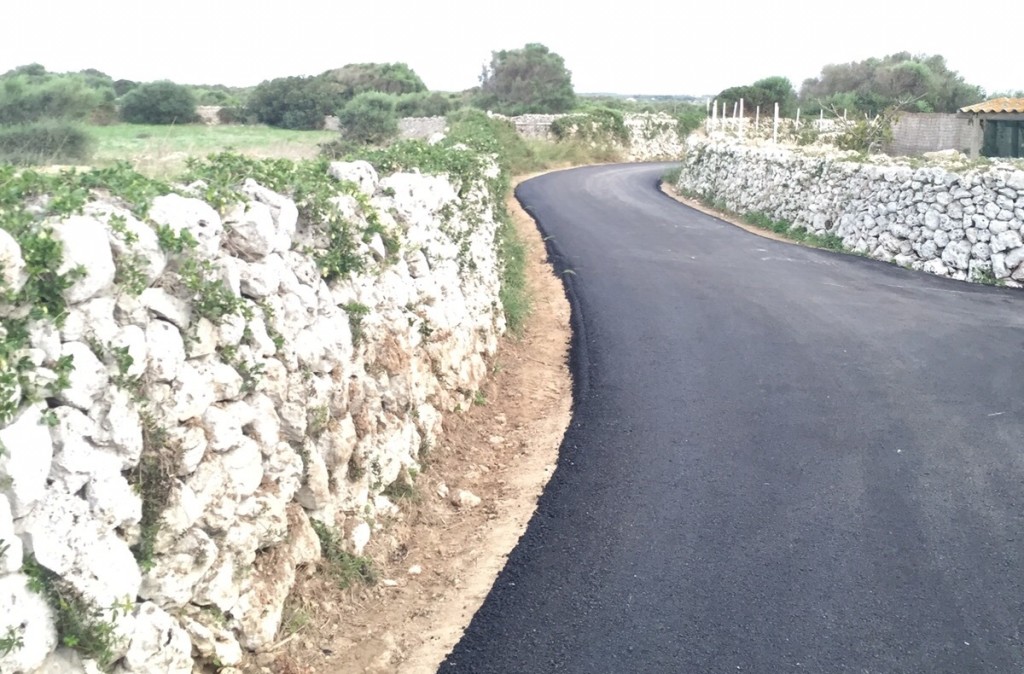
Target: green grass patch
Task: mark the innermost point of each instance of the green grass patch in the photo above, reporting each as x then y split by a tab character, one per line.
162	150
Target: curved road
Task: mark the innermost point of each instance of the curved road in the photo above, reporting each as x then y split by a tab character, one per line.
780	460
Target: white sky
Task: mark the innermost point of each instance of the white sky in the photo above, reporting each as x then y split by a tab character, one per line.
651	47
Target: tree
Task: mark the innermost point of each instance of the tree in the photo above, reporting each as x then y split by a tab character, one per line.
528	80
369	118
161	102
389	78
923	83
764	93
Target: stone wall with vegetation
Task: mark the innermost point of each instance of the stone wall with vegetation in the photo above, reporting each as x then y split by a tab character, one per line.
638	136
204	387
948	217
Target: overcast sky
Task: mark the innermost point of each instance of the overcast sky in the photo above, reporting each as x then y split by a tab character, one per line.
679	47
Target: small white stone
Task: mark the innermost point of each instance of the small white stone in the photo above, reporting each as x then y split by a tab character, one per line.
166	349
85	246
159	645
88	378
415	570
359	172
12	265
192	215
25	461
166	306
28	615
465	499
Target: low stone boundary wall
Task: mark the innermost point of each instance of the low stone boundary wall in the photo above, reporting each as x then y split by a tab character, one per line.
961	220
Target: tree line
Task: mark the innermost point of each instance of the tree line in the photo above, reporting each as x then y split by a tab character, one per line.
914	83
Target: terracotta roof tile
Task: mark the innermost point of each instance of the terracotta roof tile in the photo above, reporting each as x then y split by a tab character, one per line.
997	105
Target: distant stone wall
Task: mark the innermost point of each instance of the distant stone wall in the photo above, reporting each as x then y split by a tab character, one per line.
917	133
959	220
421	127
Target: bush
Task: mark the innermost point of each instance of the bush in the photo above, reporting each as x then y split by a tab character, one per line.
159	103
369	118
45	142
25	99
293	102
597	125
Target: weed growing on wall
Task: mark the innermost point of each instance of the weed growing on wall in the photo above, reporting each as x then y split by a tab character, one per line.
344	567
88	629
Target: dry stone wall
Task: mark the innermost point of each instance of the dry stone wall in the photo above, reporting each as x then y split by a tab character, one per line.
300	406
651	135
953	219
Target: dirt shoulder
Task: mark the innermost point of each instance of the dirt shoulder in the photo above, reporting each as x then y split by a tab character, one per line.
437	562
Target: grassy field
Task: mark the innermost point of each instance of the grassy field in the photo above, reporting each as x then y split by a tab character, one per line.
161	151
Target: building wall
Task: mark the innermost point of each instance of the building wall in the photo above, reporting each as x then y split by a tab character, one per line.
917	133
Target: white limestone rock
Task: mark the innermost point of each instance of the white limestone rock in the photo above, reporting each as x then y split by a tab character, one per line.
213	642
262	605
359	172
93	320
196	217
85	245
88	378
12	265
251	232
65	538
28	615
159	645
25	460
166	349
11	551
144	251
171	582
166	306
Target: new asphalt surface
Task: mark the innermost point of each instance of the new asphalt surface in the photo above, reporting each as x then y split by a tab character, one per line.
780	459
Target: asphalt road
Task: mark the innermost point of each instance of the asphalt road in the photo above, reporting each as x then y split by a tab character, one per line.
780	459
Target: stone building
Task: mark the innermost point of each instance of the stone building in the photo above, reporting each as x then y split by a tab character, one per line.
998	126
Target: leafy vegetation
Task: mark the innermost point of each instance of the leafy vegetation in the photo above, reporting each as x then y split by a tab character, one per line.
343	567
529	80
88	629
48	141
369	118
159	103
920	83
293	102
764	93
595	125
388	78
30	93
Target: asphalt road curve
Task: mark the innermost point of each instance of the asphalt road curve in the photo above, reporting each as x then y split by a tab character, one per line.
780	459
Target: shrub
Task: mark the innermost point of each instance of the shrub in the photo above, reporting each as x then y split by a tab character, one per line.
44	142
159	103
25	99
599	125
369	118
293	102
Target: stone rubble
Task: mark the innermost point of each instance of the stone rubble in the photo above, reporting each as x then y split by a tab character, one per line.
953	219
307	410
